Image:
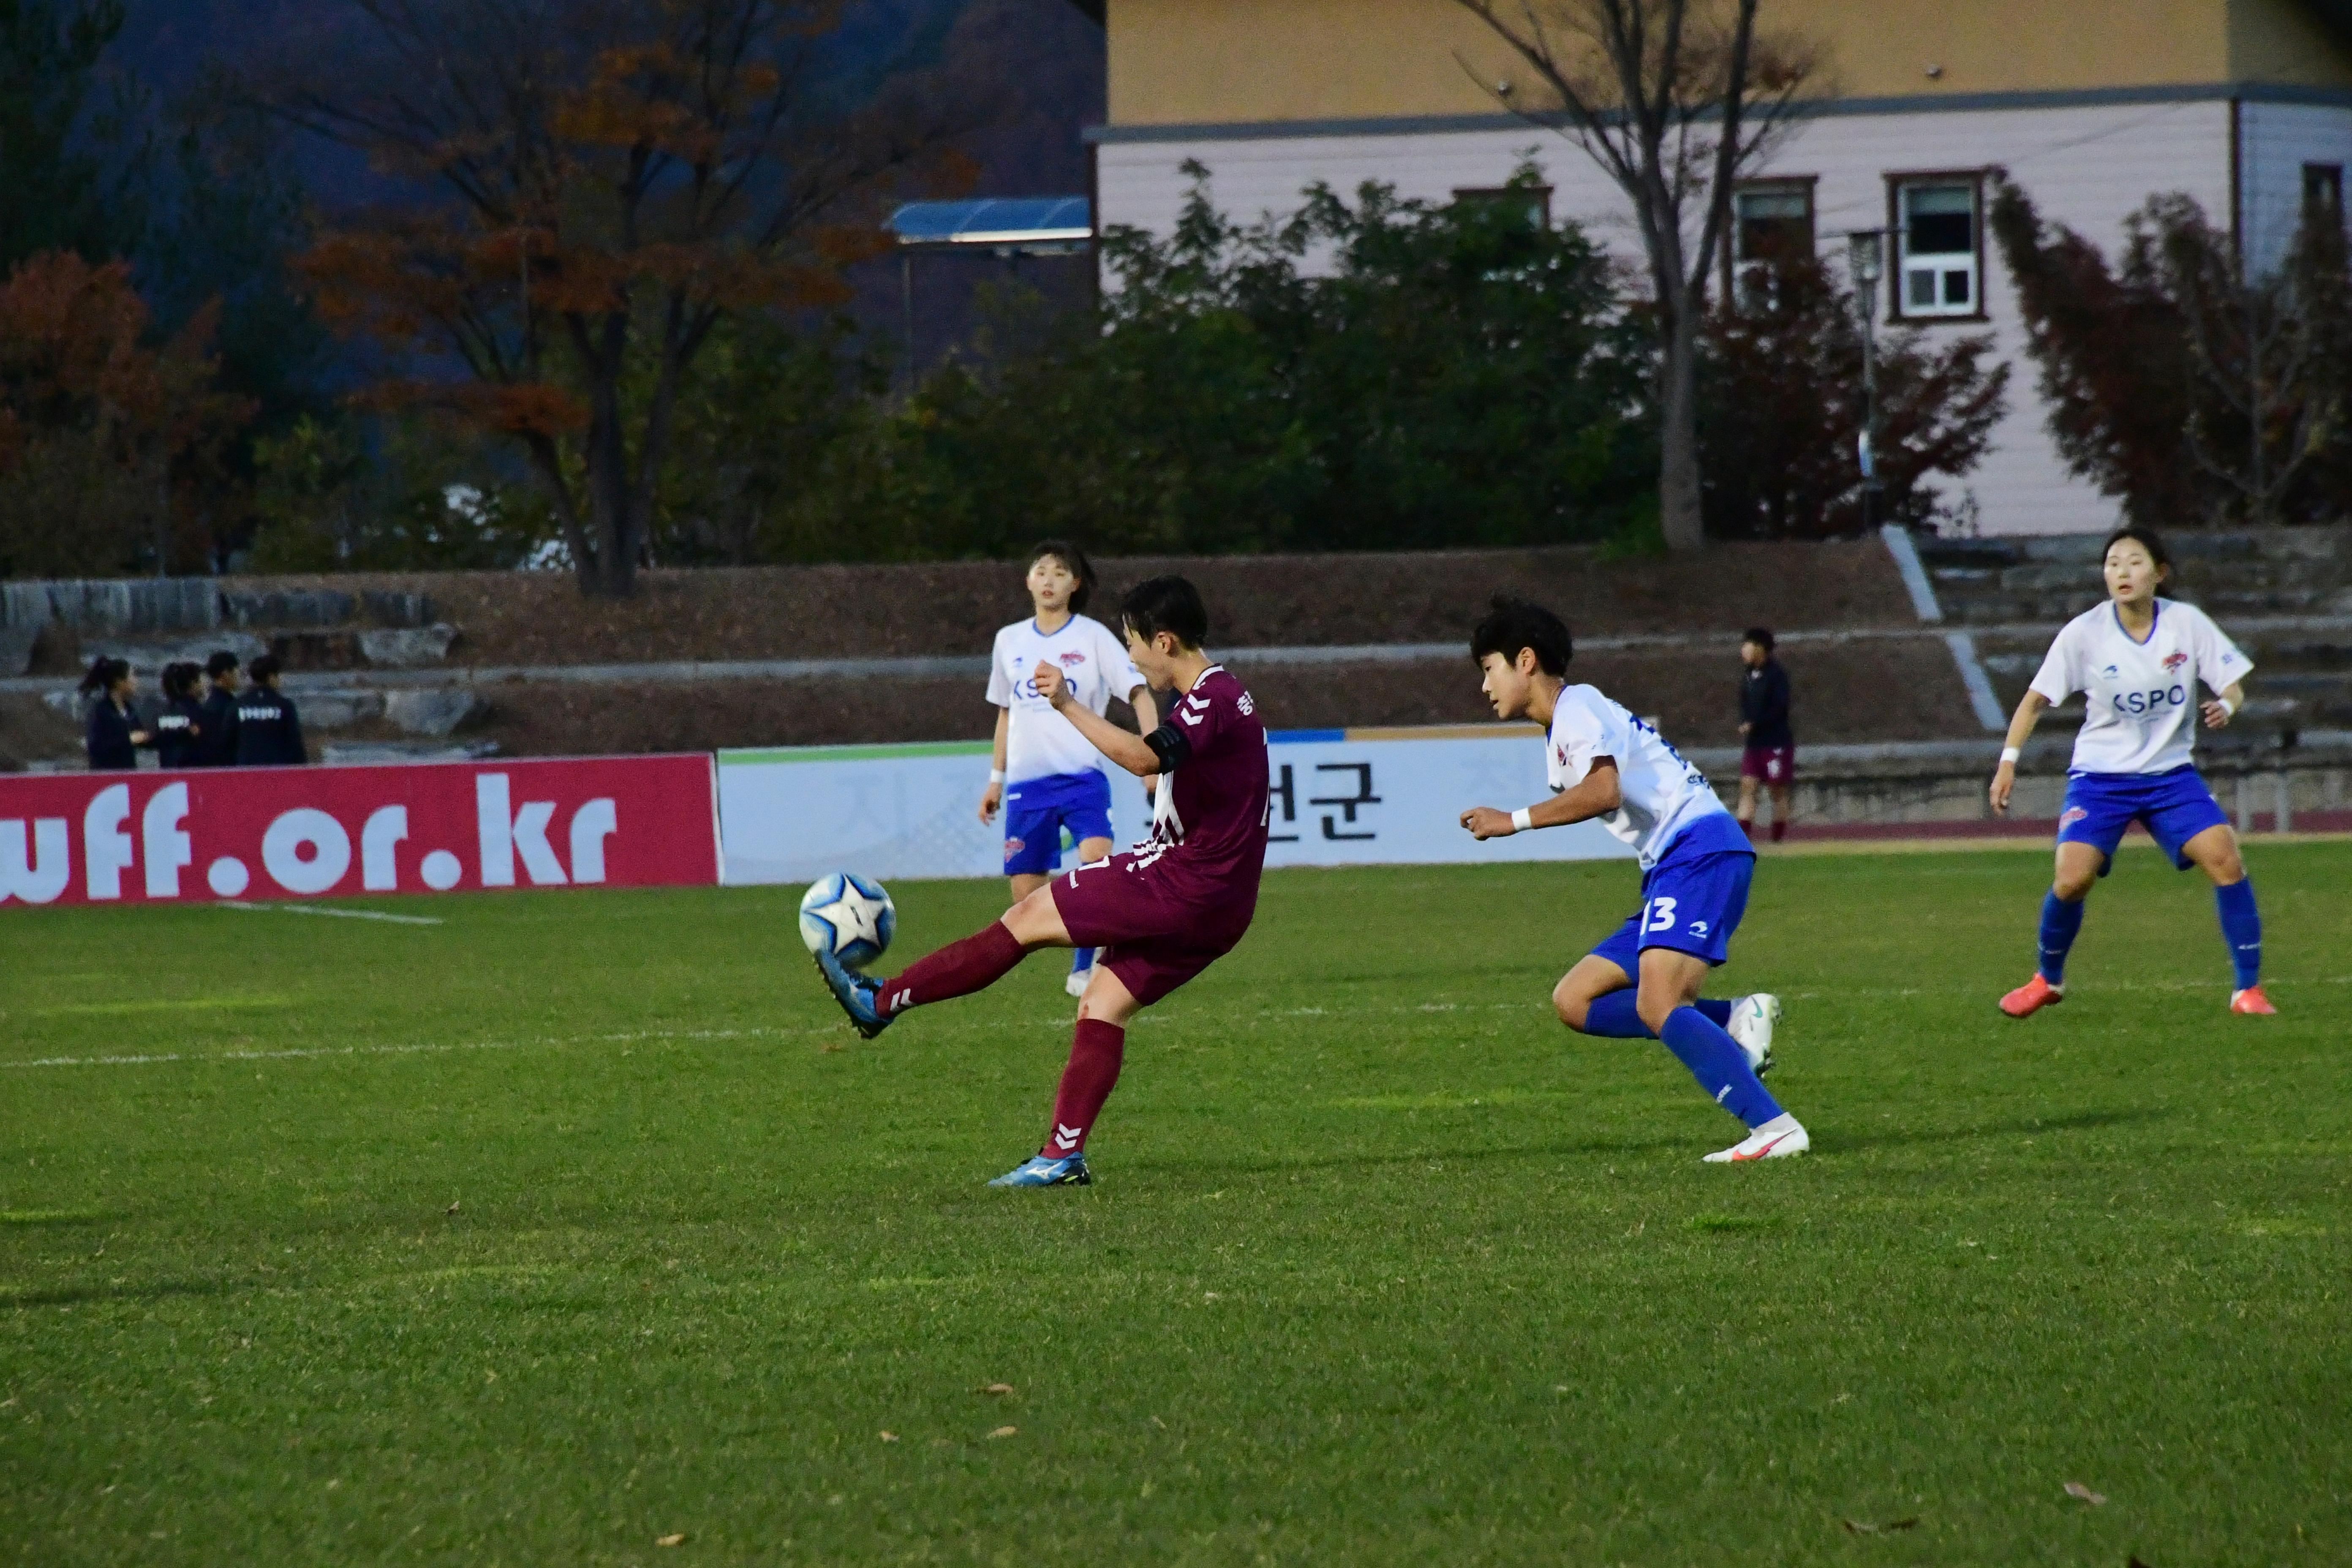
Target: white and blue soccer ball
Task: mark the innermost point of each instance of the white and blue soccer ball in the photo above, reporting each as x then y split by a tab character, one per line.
850	914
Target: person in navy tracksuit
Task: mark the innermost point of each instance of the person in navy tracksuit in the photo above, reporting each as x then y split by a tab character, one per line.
219	749
180	727
269	733
114	734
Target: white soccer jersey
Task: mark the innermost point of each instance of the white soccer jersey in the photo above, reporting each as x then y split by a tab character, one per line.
2140	711
1041	744
1663	793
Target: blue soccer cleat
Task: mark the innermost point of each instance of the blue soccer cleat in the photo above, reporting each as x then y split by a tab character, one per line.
859	997
1037	1170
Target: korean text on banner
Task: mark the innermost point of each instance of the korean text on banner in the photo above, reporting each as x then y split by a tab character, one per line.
228	833
1337	799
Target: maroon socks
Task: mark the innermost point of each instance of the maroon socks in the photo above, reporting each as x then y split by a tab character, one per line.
959	968
1779	830
1087	1082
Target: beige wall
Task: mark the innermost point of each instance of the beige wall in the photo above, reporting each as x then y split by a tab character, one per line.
1190	61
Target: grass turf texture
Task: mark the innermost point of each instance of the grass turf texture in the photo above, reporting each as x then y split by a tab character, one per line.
580	1221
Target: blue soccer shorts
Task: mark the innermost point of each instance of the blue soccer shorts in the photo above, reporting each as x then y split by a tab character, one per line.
1690	903
1037	810
2174	807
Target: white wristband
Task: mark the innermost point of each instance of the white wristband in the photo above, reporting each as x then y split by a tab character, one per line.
2228	707
1522	819
996	775
2008	755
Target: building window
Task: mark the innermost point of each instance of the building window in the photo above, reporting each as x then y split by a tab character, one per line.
1535	199
2323	187
1771	230
1939	245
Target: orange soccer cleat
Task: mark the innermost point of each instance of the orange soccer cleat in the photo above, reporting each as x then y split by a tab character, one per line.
2032	997
2250	1000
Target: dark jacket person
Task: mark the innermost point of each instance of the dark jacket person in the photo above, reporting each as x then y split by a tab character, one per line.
269	734
114	734
180	727
219	749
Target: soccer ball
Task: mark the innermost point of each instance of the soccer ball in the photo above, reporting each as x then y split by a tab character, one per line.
850	914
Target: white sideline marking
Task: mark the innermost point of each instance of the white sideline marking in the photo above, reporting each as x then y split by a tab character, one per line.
340	914
302	1052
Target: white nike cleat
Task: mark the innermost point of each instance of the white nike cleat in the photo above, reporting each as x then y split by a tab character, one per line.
1775	1139
1078	981
1752	1019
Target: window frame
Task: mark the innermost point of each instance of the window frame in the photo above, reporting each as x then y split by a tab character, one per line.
1806	185
2327	178
1898	252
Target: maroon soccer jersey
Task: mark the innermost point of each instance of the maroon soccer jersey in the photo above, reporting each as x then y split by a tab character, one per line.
1208	822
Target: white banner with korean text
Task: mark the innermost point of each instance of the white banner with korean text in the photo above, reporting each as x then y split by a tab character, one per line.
1338	798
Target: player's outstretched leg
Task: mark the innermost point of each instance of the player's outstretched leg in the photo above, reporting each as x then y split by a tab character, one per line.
959	968
1098	1050
1597	998
2061	921
1717	1061
2214	851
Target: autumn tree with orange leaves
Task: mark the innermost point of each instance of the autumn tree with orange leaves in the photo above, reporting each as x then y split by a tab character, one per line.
608	180
108	442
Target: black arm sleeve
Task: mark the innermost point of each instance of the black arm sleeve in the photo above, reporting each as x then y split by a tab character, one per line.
1169	744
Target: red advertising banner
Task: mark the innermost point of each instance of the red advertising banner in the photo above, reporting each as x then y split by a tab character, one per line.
270	833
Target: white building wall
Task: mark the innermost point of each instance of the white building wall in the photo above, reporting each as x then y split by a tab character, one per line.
2087	167
2274	142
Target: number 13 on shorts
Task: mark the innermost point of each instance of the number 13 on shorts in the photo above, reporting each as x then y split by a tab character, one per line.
1658	914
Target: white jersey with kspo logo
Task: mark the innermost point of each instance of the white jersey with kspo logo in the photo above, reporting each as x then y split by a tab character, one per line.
1661	794
2140	697
1039	744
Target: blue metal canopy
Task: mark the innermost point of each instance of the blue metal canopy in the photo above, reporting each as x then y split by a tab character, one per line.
1021	221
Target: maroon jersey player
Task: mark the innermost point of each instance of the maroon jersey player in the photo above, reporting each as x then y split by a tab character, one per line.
1162	912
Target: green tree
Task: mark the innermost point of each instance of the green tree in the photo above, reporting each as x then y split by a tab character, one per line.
1383	374
60	189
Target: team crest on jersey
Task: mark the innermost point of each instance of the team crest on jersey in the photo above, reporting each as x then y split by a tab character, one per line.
1074	658
1247	704
1014	846
2174	660
2071	815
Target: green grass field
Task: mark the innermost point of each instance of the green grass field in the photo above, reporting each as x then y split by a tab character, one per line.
578	1221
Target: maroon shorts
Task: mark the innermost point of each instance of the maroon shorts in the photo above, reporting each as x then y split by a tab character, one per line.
1773	764
1154	932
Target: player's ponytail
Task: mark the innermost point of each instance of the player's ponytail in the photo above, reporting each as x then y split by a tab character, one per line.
104	672
1075	560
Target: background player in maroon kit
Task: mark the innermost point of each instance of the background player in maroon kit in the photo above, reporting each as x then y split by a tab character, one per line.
1162	912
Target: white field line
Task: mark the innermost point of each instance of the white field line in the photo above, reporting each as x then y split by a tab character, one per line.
338	914
546	1041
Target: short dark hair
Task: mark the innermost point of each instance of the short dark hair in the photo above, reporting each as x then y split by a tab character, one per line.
1514	623
179	678
264	668
1169	604
2144	537
1071	556
1760	635
220	663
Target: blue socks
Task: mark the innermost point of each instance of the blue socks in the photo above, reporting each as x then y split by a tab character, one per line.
1721	1068
1082	960
1613	1017
2060	921
2241	928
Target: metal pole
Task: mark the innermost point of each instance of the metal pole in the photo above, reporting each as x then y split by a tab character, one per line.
906	308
